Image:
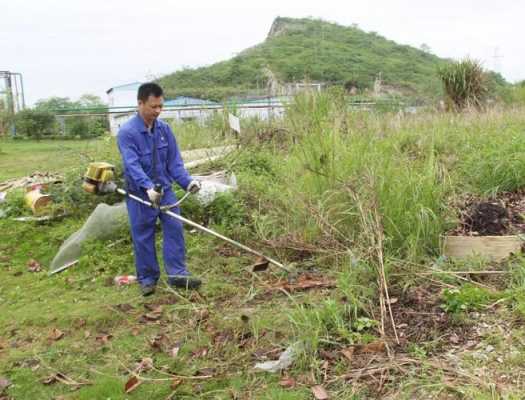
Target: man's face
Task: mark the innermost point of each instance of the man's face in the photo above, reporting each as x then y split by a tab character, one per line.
151	108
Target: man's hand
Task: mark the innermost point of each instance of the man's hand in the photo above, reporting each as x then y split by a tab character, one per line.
194	186
154	197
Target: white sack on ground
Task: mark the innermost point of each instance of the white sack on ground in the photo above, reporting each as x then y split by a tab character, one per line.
211	185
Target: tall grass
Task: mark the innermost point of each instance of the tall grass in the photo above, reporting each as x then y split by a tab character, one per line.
337	168
465	83
411	166
196	135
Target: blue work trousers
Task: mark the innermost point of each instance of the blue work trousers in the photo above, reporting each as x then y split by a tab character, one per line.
143	221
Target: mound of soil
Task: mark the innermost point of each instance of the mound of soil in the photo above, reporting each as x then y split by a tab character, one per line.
500	215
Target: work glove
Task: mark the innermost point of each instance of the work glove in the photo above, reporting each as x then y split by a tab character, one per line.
194	186
154	197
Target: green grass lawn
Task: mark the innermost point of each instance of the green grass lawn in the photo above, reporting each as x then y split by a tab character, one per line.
20	158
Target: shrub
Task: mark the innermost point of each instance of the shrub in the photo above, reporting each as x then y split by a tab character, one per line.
465	84
467	298
34	123
15	205
6	118
86	126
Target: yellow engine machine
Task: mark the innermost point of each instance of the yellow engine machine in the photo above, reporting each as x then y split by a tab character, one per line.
99	178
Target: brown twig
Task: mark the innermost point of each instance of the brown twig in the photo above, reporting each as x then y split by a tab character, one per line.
382	270
372	370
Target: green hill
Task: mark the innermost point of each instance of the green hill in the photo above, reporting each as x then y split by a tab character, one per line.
315	50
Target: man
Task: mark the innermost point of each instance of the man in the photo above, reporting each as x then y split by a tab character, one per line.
152	162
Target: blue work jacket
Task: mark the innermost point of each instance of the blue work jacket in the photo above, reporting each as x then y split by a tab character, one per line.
136	148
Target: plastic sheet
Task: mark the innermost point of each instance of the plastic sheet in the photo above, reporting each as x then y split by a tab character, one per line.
102	224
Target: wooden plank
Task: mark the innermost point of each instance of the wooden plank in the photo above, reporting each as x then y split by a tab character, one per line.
496	248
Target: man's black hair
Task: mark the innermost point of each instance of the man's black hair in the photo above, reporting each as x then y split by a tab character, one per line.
149	89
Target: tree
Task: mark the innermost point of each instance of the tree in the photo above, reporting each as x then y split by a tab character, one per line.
79	125
426	48
55	103
91	101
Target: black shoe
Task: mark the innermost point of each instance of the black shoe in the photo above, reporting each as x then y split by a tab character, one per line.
147	290
185	282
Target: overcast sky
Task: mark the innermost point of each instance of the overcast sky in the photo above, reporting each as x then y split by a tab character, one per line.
70	47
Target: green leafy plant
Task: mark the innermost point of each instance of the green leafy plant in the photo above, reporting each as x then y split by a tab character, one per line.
15	205
467	298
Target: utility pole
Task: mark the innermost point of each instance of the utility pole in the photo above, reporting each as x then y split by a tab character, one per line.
12	94
496	59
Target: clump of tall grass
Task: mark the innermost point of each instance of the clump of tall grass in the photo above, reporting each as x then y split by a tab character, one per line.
197	134
411	166
465	84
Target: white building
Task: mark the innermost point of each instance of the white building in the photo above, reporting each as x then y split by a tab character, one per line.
122	101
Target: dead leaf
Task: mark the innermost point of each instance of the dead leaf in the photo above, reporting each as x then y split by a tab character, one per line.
87	334
348	353
145	365
175	383
159	342
79	323
244	338
33	266
56	334
132	384
287	382
260	265
152	316
221	338
328	355
202	352
374	347
104	338
49	380
268	353
156	308
58	377
393	300
202	315
209	372
454	339
4	384
124	307
135	331
319	392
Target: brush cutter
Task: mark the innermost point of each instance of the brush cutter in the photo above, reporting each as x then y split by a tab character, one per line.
99	180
